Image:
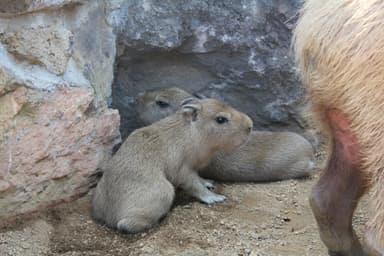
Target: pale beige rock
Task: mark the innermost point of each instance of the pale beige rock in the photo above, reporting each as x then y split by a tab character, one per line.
56	71
6	82
46	46
58	42
51	143
18	7
11	104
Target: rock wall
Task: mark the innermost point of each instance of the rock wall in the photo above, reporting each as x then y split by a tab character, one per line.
237	51
56	70
63	63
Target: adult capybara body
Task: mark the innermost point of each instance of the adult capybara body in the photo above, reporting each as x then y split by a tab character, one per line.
138	184
339	47
267	156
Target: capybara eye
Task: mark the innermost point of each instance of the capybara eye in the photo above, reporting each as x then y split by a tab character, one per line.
162	104
221	120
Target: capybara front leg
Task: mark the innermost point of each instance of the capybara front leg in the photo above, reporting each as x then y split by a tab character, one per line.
194	185
334	198
207	183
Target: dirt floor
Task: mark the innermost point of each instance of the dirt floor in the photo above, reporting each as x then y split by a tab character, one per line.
256	219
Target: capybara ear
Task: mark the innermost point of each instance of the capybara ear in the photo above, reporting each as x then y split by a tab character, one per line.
190	108
199	95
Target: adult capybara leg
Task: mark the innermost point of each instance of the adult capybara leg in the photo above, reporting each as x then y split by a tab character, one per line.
371	244
336	194
374	236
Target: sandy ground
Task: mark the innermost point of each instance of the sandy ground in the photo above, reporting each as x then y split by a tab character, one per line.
256	219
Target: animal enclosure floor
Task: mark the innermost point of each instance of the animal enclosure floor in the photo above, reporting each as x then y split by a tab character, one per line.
256	219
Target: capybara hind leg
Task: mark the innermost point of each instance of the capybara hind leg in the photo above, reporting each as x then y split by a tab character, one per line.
134	224
334	198
140	220
149	207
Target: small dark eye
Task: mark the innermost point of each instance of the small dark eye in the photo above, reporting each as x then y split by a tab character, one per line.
221	119
162	104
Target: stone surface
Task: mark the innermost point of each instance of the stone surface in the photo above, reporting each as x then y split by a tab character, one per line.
56	71
10	8
51	143
237	51
5	82
47	46
94	51
61	43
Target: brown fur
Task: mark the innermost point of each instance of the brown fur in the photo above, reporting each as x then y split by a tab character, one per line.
138	184
267	156
340	51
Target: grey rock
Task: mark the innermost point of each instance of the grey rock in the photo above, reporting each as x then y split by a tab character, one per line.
237	51
94	49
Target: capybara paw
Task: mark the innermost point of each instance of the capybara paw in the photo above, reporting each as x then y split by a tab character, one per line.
208	183
212	198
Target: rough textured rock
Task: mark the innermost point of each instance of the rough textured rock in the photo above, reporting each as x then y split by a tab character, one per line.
237	51
52	142
94	50
45	46
56	71
9	8
82	43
